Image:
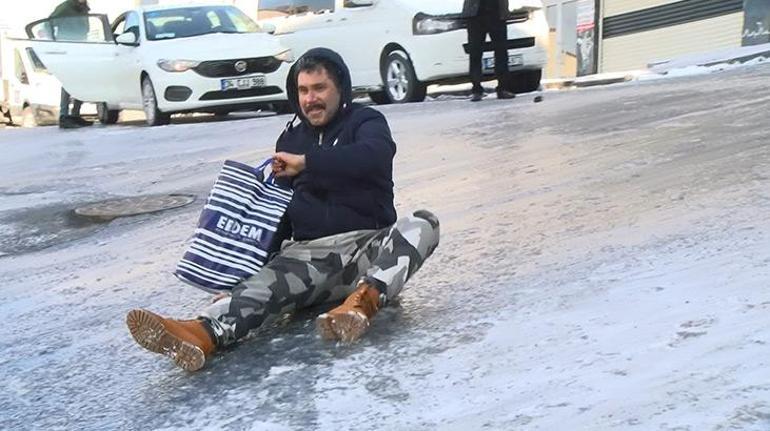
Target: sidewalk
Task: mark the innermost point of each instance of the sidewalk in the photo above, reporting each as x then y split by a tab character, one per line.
591	80
730	56
725	56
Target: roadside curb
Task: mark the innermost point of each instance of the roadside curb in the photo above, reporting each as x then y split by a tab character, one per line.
588	81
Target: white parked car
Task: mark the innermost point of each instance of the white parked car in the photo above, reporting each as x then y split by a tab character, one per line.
165	60
29	95
395	48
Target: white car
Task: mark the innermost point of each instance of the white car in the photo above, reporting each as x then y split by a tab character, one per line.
395	48
29	95
165	60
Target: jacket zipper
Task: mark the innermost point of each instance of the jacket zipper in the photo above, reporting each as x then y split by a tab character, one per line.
327	215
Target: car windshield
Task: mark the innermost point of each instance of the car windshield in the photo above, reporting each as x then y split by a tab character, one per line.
196	21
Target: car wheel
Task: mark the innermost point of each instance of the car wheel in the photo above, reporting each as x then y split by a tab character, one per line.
401	84
525	81
106	115
150	103
379	97
28	117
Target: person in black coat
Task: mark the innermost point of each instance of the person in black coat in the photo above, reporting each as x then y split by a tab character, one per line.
70	21
488	17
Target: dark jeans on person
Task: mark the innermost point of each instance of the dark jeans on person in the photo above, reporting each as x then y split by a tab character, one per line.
64	105
478	28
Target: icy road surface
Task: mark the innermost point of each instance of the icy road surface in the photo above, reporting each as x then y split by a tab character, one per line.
604	265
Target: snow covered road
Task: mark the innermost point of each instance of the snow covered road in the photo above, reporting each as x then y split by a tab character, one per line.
604	265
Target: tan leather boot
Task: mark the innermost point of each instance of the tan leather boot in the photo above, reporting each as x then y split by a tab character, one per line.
187	342
351	319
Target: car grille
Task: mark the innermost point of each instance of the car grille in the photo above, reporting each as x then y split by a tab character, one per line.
223	68
236	94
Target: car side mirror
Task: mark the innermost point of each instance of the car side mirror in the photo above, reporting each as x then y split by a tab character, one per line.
24	79
359	3
127	38
268	27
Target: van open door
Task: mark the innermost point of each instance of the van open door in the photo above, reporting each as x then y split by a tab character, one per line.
79	51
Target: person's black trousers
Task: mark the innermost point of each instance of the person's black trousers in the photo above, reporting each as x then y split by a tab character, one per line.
478	28
64	105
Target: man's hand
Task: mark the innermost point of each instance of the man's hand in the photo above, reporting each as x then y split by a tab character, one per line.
287	164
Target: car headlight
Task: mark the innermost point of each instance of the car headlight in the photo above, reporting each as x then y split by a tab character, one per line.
286	56
430	24
177	65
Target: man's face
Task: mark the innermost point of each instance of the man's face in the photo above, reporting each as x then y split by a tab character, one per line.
319	97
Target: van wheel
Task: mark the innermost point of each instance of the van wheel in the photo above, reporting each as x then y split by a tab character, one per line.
28	117
401	84
150	103
106	115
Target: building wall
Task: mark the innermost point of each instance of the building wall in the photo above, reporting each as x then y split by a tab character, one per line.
636	33
637	50
617	7
562	46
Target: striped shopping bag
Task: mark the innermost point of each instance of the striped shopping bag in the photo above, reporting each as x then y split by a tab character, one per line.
236	228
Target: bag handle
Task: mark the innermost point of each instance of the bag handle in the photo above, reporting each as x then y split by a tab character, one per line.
259	171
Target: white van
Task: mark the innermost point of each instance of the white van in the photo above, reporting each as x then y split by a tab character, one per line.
29	95
395	48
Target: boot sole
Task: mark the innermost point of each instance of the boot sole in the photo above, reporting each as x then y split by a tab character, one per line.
148	331
347	327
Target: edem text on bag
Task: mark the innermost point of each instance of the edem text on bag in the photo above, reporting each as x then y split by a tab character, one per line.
234	226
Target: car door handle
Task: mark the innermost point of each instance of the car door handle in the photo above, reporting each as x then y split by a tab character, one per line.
55	52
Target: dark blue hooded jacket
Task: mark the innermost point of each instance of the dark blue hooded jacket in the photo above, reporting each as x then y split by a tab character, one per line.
347	183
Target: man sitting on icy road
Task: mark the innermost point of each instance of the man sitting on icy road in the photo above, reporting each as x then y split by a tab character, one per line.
345	236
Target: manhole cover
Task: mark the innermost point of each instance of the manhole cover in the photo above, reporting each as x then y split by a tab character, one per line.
123	207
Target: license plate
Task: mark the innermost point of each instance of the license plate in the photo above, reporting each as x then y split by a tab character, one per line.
513	60
243	83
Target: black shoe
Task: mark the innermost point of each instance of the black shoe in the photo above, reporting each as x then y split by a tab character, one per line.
69	123
476	97
504	94
82	121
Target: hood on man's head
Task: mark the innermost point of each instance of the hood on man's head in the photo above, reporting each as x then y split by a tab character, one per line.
343	73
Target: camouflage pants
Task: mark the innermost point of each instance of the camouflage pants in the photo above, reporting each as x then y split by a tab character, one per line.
306	273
